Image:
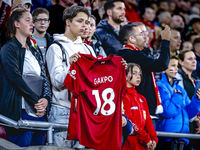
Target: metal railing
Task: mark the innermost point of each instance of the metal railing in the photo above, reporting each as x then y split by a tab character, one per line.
49	127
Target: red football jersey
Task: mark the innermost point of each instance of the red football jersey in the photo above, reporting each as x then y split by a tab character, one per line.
98	85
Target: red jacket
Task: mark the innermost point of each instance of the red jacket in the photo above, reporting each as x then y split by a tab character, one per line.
137	111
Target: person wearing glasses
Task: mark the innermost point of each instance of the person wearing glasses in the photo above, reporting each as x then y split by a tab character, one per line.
41	23
133	39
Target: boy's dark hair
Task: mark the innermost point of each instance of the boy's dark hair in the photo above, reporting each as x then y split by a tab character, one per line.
38	11
92	16
130	69
173	57
125	32
197	40
138	23
71	12
110	5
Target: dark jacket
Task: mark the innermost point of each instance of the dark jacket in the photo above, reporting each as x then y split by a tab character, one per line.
148	65
13	86
197	71
49	40
187	83
57	24
108	37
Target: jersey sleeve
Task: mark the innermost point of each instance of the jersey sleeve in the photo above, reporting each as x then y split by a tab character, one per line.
123	82
71	80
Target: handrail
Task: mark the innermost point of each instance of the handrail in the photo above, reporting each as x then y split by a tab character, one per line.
178	135
39	125
9	121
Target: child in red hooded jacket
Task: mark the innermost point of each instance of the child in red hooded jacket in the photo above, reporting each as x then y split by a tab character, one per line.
136	109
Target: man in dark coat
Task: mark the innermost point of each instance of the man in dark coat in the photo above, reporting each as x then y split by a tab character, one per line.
108	30
132	38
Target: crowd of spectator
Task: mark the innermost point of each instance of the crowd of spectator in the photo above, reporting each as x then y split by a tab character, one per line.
159	41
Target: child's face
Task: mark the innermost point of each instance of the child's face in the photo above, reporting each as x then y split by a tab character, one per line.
172	68
136	78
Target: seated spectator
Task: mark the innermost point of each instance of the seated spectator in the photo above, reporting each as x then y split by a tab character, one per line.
178	108
196	49
41	24
137	111
20	59
132	38
76	18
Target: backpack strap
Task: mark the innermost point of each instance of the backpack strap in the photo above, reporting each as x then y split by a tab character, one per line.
63	51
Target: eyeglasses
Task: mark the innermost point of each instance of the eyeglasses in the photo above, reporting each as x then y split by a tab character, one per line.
141	34
45	20
23	6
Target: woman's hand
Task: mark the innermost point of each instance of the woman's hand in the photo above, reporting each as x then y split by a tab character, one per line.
74	58
41	105
124	121
198	93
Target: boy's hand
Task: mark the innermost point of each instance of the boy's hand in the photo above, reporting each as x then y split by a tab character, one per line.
124	121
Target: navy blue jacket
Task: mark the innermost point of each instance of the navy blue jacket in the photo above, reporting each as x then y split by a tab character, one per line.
13	86
148	65
178	108
108	37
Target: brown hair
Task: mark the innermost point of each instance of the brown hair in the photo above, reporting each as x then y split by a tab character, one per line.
130	69
181	55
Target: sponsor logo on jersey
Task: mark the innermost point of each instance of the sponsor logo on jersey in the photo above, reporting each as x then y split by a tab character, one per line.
134	108
72	74
103	80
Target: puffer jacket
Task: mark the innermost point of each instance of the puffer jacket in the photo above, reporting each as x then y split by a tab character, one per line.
108	37
58	69
178	108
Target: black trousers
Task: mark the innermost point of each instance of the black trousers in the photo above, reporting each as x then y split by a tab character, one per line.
172	145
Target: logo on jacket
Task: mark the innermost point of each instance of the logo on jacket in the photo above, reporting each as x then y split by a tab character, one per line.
72	74
144	114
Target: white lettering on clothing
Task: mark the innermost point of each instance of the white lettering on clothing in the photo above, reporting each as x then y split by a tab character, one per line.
103	80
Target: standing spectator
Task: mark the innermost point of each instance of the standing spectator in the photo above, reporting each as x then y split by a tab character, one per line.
178	108
175	42
76	18
137	111
41	24
56	16
132	37
188	63
196	49
131	10
94	40
19	58
108	30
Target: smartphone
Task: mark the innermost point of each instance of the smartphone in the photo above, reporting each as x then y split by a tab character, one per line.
197	86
